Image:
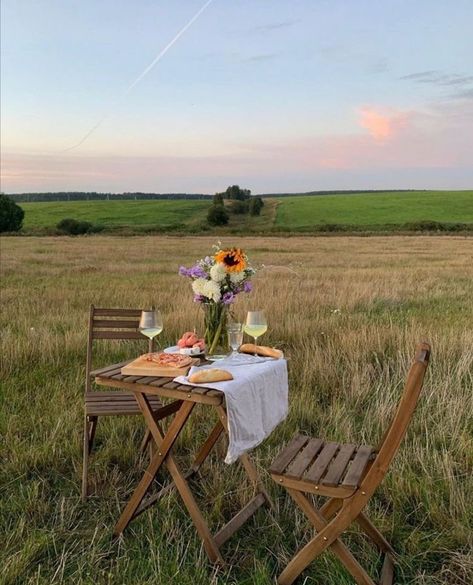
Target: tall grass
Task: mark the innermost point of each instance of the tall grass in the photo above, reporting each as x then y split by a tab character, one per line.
347	311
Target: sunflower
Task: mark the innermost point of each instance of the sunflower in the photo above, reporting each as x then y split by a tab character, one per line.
234	260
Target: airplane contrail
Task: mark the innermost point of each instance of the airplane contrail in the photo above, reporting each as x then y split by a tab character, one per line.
143	74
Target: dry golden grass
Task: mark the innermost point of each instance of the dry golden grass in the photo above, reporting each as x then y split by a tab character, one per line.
348	311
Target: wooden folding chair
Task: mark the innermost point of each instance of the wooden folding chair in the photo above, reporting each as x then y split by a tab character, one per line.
112	324
348	475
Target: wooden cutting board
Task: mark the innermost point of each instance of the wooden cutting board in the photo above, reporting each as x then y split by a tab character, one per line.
142	367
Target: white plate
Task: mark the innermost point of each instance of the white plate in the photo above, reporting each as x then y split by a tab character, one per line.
175	349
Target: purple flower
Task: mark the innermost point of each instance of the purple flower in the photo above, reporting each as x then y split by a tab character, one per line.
247	286
197	272
193	272
199	298
228	298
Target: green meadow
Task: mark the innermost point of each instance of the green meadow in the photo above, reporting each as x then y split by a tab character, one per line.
376	209
116	214
389	211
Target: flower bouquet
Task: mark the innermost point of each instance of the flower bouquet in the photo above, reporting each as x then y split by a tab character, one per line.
216	282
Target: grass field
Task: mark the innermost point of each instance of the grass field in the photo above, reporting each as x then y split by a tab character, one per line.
378	209
382	211
346	310
140	214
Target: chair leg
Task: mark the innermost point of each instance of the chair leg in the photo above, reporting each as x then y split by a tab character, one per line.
93	427
90	426
85	459
328	537
372	532
144	442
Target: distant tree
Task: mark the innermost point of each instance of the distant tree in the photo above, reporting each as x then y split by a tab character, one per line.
255	206
73	227
217	215
218	199
239	207
234	192
11	215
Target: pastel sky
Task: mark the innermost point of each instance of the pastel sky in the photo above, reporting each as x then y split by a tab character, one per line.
275	95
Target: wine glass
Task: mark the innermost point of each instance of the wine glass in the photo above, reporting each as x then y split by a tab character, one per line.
151	324
235	337
255	325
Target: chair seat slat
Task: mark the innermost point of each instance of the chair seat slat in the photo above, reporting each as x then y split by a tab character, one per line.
304	458
357	466
288	453
338	465
322	462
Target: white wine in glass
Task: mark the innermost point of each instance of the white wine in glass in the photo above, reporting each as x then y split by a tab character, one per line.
151	323
255	325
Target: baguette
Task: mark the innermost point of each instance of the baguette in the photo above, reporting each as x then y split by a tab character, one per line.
210	375
261	350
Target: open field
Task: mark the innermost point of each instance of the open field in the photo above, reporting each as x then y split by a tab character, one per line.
376	209
347	311
381	211
140	214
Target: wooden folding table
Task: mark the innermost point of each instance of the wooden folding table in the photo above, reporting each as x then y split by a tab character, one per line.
185	399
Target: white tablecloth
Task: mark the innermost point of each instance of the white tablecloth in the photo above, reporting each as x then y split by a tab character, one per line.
256	399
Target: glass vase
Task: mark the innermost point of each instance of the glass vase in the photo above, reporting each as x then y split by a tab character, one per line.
216	338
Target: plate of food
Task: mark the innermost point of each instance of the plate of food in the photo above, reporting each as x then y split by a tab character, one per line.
189	344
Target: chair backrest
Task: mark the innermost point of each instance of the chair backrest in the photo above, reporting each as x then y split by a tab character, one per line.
113	324
400	423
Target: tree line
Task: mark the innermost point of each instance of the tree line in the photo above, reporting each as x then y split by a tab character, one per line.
95	196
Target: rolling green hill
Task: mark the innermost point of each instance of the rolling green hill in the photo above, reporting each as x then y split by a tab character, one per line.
375	209
116	214
305	213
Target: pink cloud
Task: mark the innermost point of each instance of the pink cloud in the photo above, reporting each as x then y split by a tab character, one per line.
398	147
382	125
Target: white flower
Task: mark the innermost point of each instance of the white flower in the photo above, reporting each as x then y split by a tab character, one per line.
207	288
198	286
237	277
218	272
211	290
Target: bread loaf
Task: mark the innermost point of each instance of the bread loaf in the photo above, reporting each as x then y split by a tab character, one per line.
210	375
261	350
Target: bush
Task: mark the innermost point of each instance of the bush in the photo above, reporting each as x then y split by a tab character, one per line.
217	215
436	226
73	227
239	207
256	205
11	215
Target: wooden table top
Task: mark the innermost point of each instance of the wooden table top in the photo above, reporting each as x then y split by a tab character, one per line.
161	386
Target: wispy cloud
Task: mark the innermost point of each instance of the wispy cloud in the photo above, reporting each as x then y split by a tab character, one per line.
439	78
460	84
274	25
257	58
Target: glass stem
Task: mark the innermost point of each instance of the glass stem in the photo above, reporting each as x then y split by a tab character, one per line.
256	341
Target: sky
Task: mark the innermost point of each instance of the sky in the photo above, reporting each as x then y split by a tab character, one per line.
273	95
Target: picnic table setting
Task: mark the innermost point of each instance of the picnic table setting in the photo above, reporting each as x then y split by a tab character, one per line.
246	387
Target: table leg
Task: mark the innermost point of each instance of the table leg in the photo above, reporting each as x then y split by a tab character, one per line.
164	445
247	463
